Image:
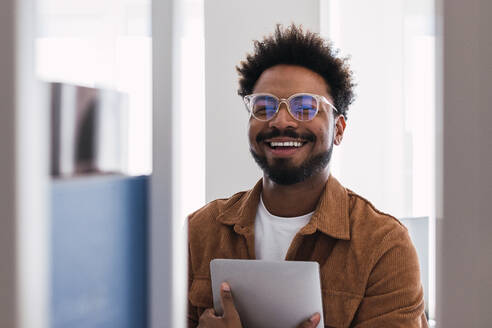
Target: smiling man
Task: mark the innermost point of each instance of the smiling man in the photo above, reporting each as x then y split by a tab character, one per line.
297	92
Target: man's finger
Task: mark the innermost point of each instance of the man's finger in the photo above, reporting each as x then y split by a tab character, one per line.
209	313
207	318
227	301
311	322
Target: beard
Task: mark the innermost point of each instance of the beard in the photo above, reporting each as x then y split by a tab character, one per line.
282	173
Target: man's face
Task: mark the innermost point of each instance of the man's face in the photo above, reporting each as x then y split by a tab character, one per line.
290	165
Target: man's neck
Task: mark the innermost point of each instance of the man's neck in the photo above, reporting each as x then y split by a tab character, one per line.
294	200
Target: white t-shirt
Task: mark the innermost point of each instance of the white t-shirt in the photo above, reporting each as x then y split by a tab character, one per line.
274	234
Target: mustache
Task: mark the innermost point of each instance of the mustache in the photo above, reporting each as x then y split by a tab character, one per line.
284	133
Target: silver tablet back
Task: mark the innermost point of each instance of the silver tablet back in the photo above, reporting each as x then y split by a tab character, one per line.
269	294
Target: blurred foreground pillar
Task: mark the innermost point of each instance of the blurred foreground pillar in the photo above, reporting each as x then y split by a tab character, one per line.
24	223
464	162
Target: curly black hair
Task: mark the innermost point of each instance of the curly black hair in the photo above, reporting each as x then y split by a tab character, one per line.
293	46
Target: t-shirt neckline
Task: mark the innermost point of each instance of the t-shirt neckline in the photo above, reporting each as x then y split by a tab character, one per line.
283	218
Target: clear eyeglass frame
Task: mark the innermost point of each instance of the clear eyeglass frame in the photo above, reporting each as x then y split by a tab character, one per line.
249	99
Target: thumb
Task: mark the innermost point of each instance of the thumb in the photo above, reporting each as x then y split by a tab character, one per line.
311	322
227	301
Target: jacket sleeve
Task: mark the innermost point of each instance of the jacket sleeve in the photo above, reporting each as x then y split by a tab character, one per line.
192	315
394	294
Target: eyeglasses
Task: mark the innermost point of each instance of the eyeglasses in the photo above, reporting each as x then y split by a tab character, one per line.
301	106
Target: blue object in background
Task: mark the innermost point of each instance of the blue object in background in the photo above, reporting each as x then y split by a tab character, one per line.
99	252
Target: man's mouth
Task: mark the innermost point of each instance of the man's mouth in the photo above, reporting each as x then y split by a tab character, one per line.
284	148
285	144
276	135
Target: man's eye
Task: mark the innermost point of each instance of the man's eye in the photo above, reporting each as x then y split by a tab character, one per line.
302	108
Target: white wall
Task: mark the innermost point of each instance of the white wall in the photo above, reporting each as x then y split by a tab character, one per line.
370	159
230	28
24	223
386	154
464	250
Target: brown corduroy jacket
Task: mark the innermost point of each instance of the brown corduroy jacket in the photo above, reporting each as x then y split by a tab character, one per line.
368	266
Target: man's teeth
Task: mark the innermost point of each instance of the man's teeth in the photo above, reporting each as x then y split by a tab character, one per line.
286	144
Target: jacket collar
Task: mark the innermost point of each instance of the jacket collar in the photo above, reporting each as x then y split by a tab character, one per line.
331	216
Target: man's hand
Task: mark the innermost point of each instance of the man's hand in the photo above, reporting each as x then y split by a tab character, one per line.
231	319
311	322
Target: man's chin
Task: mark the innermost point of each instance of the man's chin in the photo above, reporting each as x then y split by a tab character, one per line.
282	163
286	176
283	172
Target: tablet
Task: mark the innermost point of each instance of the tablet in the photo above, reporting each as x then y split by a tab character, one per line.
269	294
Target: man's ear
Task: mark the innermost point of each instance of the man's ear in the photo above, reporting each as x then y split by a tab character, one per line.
339	129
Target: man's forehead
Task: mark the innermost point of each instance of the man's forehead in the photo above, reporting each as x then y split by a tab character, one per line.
285	80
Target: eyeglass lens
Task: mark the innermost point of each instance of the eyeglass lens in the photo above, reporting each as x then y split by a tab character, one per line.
302	107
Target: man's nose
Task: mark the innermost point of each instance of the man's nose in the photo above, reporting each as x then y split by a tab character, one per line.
283	119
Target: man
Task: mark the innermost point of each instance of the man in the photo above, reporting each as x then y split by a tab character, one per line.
298	92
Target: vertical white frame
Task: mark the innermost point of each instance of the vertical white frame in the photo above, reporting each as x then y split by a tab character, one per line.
167	243
25	224
161	183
